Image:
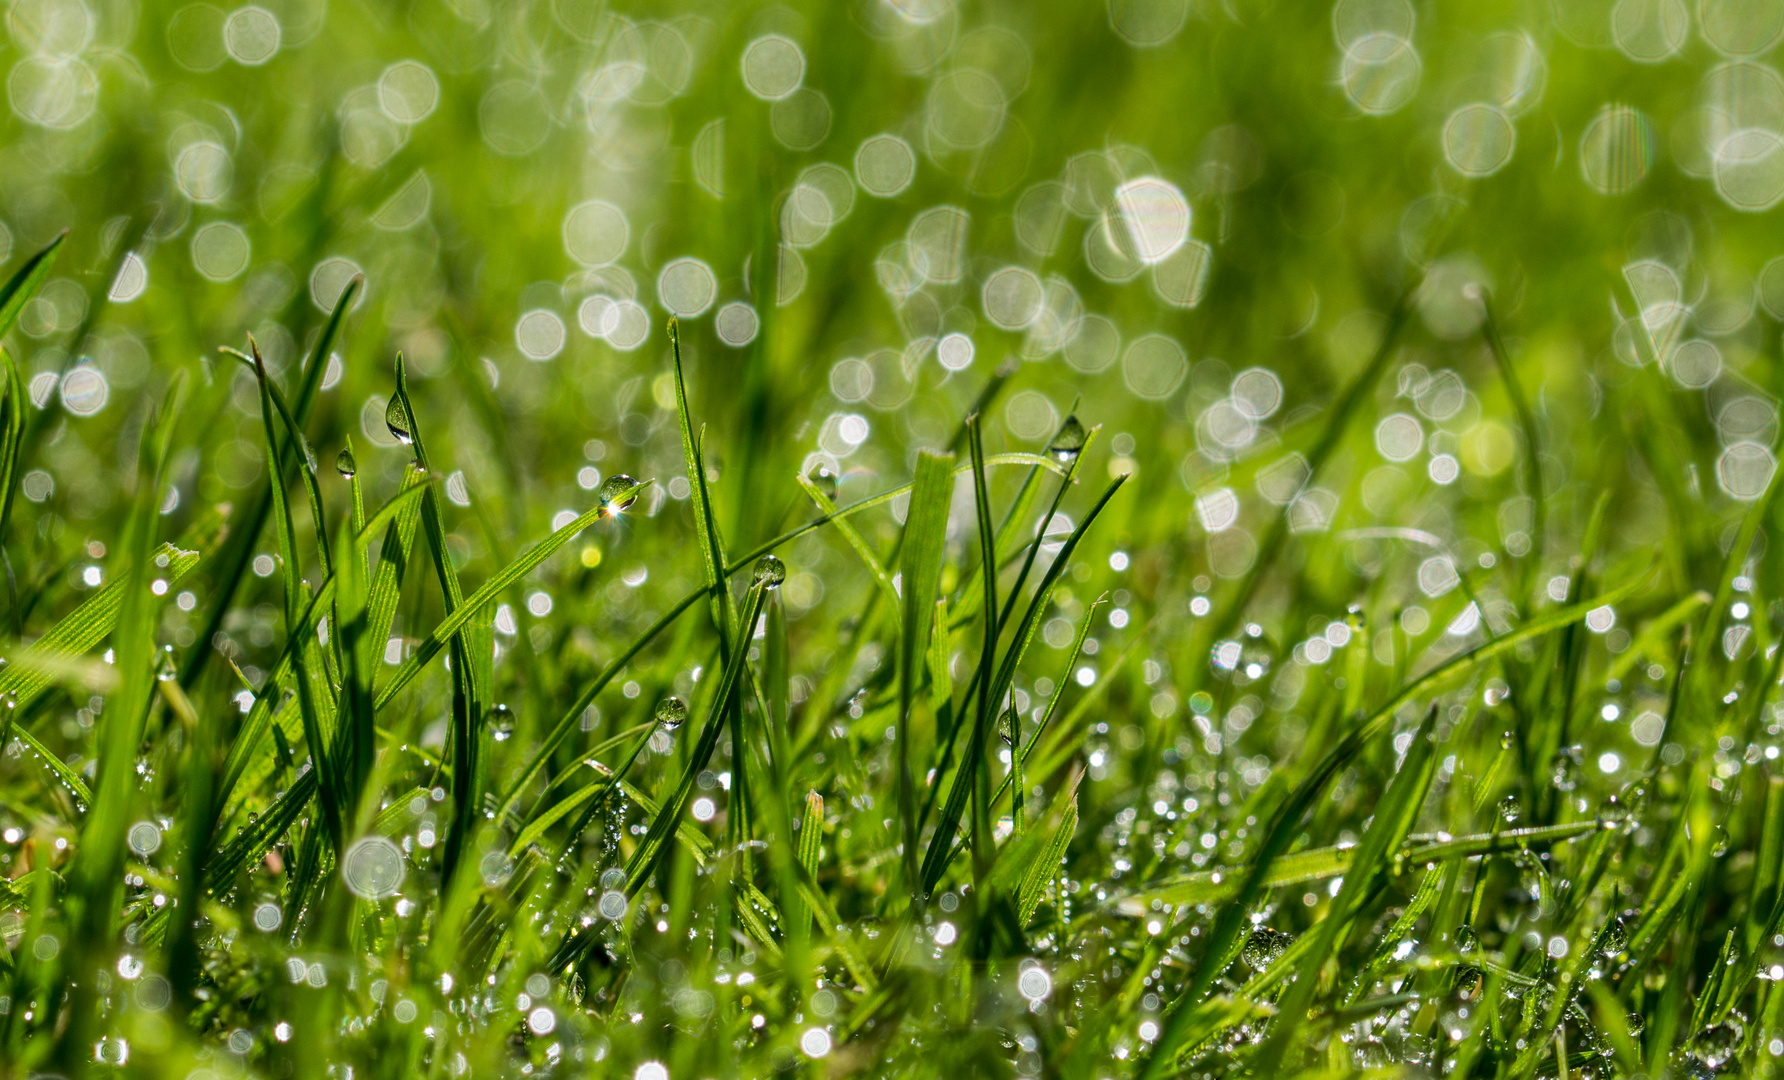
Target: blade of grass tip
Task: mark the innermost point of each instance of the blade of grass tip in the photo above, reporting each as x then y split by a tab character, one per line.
712	549
925	547
1070	443
26	281
1514	389
294	438
283	527
236	558
941	843
1033	887
976	758
1394	817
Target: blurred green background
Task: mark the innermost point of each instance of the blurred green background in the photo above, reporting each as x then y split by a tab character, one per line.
862	209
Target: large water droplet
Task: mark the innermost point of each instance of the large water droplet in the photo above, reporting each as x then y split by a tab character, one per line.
1616	934
823	477
1006	727
1510	810
1069	443
671	713
618	492
396	418
345	463
501	723
1264	947
1718	1044
770	572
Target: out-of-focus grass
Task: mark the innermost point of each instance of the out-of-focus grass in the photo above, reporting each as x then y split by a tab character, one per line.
897	537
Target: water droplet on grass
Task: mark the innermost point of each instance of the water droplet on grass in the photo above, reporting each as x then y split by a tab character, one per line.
1069	443
618	492
345	463
1265	947
1510	809
672	712
770	572
1718	1044
823	477
501	723
396	418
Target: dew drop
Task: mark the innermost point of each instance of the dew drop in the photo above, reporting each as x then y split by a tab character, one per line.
345	463
1069	443
770	572
823	477
1616	935
1510	809
396	418
672	712
501	723
1717	1044
618	492
1265	947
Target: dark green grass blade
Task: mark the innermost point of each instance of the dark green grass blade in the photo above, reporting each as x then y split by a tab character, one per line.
975	760
472	645
940	844
925	546
712	547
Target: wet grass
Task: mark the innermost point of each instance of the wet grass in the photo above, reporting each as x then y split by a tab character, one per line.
1011	800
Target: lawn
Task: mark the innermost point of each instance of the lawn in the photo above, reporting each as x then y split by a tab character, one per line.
913	538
